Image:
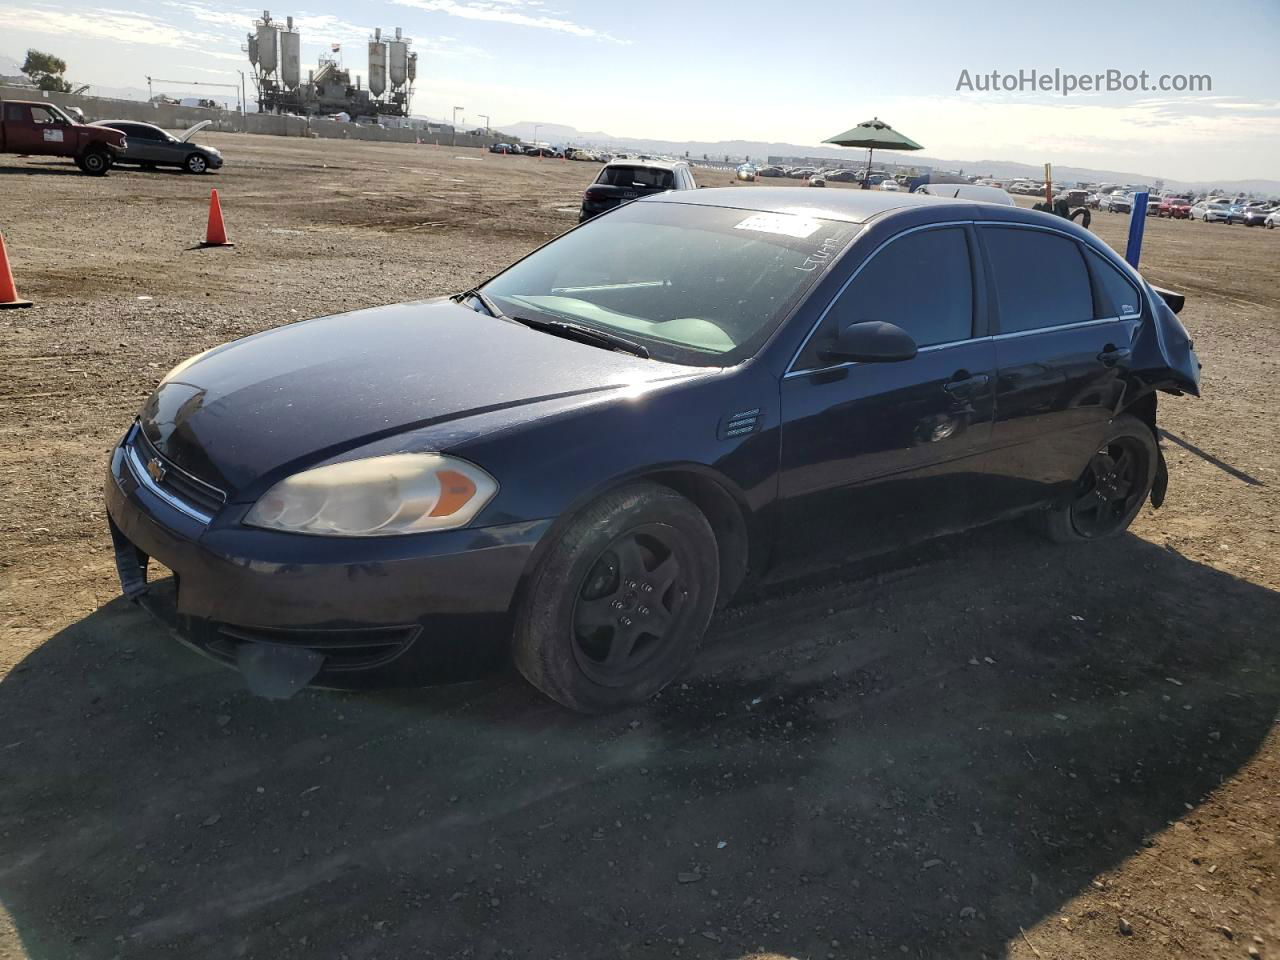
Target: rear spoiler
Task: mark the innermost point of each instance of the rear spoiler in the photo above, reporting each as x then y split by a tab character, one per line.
1173	300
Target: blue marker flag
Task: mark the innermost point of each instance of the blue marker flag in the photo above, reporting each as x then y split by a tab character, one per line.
1137	224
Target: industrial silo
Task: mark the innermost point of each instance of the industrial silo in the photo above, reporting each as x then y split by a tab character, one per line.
377	64
267	46
290	56
413	67
398	60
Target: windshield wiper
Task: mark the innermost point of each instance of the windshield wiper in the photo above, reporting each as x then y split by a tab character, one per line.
561	328
475	293
583	334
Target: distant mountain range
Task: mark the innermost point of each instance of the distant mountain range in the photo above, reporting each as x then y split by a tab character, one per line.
759	150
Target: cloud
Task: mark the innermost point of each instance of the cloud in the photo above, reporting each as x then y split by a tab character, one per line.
124	26
509	11
240	19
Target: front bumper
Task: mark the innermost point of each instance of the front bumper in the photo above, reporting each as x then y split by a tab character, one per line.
389	611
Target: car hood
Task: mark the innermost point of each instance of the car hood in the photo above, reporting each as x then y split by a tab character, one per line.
192	131
260	408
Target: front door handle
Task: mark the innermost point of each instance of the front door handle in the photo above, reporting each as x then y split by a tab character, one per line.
1111	355
966	386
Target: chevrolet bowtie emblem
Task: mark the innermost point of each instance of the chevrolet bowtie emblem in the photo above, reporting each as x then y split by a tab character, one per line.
155	469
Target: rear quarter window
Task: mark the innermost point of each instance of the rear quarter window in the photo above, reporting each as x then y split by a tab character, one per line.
1119	297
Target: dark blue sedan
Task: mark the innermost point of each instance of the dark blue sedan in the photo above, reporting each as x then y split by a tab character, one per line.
571	466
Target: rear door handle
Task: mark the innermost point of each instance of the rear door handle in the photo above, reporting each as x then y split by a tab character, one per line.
967	386
1110	355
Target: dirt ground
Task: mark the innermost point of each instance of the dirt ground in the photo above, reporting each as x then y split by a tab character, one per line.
989	747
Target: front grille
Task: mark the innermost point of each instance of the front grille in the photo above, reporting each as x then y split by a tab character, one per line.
342	649
187	493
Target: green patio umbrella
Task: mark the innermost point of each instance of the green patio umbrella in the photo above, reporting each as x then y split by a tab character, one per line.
873	134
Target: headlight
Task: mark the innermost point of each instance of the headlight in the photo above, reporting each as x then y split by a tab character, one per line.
378	496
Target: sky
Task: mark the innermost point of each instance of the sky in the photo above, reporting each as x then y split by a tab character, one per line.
714	70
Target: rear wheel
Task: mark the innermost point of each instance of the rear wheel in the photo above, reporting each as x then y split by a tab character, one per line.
95	162
1112	487
616	609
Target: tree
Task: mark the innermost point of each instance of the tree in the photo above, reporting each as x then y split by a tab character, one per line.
46	70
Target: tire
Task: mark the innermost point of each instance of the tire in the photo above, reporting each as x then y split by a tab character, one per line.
641	555
1088	513
195	163
94	161
1083	214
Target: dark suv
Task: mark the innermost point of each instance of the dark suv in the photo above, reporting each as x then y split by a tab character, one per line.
624	180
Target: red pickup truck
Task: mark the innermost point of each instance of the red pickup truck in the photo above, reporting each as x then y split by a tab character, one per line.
41	129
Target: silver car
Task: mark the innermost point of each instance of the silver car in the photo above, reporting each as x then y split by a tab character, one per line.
150	147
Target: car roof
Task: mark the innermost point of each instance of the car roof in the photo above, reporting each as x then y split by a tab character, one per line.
850	206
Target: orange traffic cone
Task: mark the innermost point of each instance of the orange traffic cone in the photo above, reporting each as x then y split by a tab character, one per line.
215	234
8	292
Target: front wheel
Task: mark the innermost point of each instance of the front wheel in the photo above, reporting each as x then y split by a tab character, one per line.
94	162
615	611
1112	487
196	163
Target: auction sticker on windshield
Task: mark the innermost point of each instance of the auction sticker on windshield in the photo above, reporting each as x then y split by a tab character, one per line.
782	224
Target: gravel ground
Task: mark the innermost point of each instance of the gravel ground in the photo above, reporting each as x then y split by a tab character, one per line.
988	747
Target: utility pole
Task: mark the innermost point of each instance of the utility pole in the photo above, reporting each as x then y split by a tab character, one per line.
535	140
486	121
149	94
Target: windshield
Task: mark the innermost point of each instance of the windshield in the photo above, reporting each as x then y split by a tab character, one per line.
696	285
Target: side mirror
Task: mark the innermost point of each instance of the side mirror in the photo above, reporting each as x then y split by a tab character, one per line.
871	341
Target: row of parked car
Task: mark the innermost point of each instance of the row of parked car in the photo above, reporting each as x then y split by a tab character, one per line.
558	153
833	174
1252	213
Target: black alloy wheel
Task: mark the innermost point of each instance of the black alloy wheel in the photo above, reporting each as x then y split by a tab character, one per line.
631	603
1110	487
616	607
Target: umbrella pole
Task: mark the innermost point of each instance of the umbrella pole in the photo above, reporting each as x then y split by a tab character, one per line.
866	177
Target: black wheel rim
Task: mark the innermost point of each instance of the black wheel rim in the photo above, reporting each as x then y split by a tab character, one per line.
93	162
1110	487
630	608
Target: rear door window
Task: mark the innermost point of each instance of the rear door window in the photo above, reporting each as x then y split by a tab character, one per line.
1040	279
